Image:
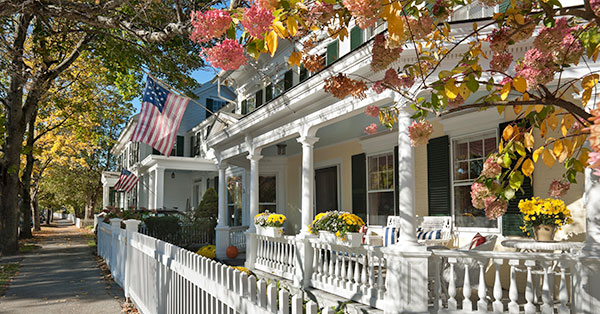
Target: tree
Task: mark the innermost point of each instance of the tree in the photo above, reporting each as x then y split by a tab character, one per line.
41	40
538	87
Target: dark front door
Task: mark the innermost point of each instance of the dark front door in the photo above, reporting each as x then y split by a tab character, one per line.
326	189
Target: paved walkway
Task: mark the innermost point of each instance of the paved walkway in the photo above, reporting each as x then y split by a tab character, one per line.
61	277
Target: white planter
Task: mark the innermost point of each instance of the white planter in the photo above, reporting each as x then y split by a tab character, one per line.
353	239
326	236
274	232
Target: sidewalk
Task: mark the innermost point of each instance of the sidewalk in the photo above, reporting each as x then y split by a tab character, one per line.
61	277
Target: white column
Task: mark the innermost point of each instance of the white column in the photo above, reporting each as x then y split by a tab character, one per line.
251	242
406	182
105	195
222	230
159	187
308	180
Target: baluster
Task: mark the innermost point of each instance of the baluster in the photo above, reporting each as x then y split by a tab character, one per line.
350	274
513	292
315	262
259	250
467	304
321	258
563	292
529	306
343	278
337	269
331	277
363	275
498	305
325	263
291	257
286	255
452	303
482	290
279	255
356	272
380	283
548	305
437	292
372	291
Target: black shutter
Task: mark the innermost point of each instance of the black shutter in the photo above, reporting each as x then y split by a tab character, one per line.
303	73
216	184
180	143
155	151
511	221
259	98
245	106
438	176
209	106
268	93
288	80
396	182
359	186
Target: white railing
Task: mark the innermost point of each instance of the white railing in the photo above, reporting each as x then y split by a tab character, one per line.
543	274
186	236
356	273
237	237
276	256
162	278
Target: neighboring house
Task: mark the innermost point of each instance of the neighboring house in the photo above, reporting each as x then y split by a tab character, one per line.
179	181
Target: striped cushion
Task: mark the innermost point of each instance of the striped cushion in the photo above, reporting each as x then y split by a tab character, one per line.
429	235
390	235
364	231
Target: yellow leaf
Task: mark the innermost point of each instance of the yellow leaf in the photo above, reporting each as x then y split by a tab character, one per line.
295	58
548	158
538	108
451	89
505	90
586	96
392	13
508	132
590	81
536	153
520	19
500	109
525	96
271	41
583	157
292	26
527	167
552	121
528	140
557	148
566	124
279	29
520	84
543	129
517	108
464	91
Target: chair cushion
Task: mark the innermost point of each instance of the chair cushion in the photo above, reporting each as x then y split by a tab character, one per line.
390	235
429	235
477	240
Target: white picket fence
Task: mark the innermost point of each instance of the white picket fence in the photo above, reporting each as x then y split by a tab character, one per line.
162	278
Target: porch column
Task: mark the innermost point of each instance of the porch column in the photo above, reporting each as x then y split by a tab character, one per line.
251	241
406	182
587	282
159	187
222	230
308	180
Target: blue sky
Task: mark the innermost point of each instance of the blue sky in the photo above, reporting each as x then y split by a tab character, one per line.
202	76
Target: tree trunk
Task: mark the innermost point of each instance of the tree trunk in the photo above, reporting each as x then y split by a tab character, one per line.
26	181
36	212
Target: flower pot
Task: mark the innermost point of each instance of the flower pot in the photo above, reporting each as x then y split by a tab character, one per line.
326	236
274	232
544	232
353	239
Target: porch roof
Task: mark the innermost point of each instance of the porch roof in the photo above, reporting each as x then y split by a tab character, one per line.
177	163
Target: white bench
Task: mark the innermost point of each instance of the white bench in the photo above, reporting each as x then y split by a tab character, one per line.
425	224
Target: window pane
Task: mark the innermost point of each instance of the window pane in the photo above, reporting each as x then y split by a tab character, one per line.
461	170
267	189
373	181
460	151
475	167
381	205
234	190
476	149
465	214
490	145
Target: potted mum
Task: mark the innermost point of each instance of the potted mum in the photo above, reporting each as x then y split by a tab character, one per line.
338	227
269	224
544	216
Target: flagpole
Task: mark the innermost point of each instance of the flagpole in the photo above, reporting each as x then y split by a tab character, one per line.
182	94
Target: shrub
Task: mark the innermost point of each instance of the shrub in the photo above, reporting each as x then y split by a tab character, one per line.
161	227
205	215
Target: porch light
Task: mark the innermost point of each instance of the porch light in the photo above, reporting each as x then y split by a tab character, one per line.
281	149
173	175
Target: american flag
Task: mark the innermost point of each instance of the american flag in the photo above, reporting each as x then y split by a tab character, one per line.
160	117
127	181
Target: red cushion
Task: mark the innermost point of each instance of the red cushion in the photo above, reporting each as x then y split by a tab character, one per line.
363	230
477	240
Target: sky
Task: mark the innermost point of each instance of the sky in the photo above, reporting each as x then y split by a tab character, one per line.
202	76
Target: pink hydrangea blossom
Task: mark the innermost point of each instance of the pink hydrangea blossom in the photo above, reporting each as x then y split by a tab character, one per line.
570	50
320	13
499	39
407	81
372	111
442	10
491	3
501	61
371	129
495	207
227	55
595	5
420	28
491	168
257	21
523	31
210	24
366	12
419	132
479	192
379	87
594	159
537	68
550	38
558	188
267	4
383	56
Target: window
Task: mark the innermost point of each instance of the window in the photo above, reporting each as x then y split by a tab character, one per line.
268	93
234	201
288	80
111	196
259	98
196	141
332	52
303	73
267	194
468	156
356	37
209	107
279	88
380	188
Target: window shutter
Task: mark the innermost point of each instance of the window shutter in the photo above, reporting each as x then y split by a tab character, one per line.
438	176
209	106
288	80
359	185
245	106
511	221
303	73
504	6
155	151
216	186
356	37
180	143
259	98
268	93
332	52
396	182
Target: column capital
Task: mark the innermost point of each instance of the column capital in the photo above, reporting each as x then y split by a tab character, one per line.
307	140
222	165
254	157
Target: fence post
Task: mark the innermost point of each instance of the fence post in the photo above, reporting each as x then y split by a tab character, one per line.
115	227
303	261
131	227
406	279
221	241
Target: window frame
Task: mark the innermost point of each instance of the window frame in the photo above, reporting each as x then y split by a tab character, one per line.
274	175
230	221
393	189
482	135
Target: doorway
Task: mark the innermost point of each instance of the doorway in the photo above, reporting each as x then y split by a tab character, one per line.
326	189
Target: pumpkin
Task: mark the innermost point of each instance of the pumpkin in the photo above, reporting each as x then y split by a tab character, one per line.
232	252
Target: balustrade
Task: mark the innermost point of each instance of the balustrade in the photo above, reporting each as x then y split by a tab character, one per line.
276	255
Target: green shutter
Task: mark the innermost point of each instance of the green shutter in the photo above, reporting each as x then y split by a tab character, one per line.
356	37
438	176
332	52
245	106
259	98
359	185
504	6
288	80
180	143
268	93
396	180
511	221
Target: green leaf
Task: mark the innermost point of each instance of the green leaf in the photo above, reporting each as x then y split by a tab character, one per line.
520	148
472	84
516	179
506	159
